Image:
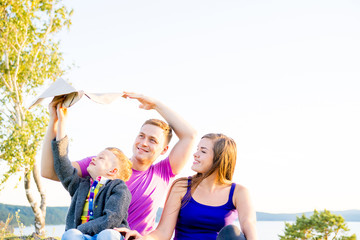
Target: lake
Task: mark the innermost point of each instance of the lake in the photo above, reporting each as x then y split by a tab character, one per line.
267	230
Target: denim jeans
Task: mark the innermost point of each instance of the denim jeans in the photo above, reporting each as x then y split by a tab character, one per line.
230	232
107	234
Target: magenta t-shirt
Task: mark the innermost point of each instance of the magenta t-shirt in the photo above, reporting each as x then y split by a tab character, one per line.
148	189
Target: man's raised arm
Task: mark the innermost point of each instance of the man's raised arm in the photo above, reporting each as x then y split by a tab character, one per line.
181	152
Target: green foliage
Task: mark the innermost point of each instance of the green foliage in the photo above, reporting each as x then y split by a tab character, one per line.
29	56
320	225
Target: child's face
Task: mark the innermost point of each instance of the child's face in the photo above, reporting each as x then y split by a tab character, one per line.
102	164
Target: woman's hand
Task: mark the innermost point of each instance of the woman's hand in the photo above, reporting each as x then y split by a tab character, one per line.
129	234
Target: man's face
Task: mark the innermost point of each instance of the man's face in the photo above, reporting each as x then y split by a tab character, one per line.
149	144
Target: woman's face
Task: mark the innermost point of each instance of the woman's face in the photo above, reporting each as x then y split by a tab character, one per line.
203	157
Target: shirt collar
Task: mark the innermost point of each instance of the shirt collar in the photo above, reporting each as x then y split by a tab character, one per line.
101	179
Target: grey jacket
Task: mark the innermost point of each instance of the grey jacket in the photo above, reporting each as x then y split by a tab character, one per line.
111	203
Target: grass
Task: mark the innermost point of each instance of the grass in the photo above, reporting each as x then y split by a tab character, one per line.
7	232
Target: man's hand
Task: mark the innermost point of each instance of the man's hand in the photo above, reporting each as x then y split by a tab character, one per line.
147	103
129	234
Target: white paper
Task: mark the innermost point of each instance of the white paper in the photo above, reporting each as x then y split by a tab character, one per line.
62	89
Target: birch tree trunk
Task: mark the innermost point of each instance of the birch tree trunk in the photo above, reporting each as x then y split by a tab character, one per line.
39	209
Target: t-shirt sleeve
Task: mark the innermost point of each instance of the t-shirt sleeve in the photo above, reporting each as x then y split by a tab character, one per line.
84	163
163	168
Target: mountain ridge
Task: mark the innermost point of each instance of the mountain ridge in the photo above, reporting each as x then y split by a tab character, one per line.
57	215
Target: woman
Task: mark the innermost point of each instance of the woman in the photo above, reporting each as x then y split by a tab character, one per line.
201	206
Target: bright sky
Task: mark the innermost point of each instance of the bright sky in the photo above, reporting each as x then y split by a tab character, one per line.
282	78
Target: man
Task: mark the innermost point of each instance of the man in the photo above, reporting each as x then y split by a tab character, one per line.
149	182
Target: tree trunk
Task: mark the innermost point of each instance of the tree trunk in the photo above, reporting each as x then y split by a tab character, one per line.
39	211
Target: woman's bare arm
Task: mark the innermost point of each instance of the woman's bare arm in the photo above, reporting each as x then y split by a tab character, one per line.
246	212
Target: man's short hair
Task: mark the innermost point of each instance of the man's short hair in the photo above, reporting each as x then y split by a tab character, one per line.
163	125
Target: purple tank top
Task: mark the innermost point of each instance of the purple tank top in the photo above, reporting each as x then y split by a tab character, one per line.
199	221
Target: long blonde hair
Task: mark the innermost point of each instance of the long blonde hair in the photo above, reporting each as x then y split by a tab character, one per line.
224	162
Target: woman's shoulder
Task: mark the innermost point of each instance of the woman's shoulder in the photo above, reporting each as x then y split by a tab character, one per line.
181	182
240	190
239	187
241	194
180	185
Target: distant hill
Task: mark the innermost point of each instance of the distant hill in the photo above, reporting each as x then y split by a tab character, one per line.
56	215
348	215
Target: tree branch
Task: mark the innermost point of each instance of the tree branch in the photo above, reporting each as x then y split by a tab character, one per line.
43	40
7	67
5	82
12	112
18	58
27	185
39	219
13	47
6	115
42	193
18	107
16	37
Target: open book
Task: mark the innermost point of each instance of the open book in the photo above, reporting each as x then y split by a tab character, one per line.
61	89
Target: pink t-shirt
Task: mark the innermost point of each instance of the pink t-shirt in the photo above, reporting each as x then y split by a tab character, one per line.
148	189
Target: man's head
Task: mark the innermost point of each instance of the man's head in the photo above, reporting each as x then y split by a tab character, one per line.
110	163
152	141
164	126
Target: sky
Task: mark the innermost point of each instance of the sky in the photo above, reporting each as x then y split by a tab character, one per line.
280	77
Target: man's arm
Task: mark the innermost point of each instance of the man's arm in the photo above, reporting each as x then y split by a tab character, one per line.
47	159
181	152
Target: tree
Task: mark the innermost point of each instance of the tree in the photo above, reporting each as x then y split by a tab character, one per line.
321	225
29	57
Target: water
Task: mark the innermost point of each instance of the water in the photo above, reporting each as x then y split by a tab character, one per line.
267	230
51	230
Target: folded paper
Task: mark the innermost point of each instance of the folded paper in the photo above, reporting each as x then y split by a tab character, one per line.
61	89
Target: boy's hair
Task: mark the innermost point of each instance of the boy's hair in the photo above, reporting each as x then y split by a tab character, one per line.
164	126
123	162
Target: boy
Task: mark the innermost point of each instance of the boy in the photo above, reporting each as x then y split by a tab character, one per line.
99	202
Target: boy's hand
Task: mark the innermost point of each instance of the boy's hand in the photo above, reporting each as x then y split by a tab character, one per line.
62	116
61	112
